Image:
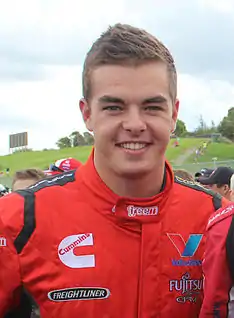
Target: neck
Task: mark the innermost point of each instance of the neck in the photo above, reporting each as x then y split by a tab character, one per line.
144	186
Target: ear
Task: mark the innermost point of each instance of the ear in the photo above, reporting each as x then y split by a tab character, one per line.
86	113
226	189
175	111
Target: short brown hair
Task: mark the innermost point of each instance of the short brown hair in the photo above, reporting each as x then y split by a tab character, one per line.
124	44
35	174
183	174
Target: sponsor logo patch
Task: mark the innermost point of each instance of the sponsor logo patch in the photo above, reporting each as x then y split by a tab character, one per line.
141	211
66	251
185	249
78	293
187	288
3	242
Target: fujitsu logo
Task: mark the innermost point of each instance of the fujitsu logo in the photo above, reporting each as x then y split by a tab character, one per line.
141	211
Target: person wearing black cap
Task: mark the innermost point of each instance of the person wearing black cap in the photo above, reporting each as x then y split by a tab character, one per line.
219	181
205	172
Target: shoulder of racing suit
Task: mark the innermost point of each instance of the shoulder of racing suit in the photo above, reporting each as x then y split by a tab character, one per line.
57	180
220	215
29	225
216	198
224	219
28	206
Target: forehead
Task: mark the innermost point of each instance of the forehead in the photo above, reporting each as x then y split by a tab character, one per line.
148	79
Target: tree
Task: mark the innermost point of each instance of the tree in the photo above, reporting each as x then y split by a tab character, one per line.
180	128
213	127
76	139
226	126
89	140
202	127
64	142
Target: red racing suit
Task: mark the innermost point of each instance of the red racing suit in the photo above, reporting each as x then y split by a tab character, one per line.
79	250
218	265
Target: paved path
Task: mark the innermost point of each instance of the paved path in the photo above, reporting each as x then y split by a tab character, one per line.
183	157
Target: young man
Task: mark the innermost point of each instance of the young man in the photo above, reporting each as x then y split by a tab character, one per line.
118	237
219	181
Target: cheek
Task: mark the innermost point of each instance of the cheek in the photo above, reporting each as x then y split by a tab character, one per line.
104	131
104	125
162	127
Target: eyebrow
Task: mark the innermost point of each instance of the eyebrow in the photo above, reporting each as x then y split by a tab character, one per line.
111	99
152	100
155	100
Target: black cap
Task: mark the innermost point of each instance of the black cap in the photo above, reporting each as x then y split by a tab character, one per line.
205	172
222	175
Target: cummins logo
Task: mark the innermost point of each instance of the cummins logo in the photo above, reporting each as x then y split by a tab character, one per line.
80	293
69	244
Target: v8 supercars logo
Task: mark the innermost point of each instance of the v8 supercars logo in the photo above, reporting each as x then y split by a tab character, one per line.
186	248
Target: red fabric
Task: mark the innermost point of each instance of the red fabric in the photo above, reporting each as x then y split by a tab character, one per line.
218	281
87	236
68	164
51	173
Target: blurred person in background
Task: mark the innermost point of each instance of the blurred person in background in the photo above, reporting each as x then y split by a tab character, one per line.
3	190
63	165
232	188
204	172
219	181
218	263
183	174
24	178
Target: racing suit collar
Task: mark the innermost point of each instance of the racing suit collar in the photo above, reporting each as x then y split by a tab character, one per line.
143	210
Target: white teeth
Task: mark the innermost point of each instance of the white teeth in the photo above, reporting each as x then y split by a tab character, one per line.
133	145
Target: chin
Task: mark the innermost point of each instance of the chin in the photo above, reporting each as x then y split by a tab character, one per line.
133	172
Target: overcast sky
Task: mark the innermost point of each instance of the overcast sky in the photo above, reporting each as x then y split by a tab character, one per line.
43	44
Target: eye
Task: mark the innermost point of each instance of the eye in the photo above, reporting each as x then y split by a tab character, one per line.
153	108
112	108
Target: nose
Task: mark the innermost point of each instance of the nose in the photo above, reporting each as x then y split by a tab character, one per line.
133	121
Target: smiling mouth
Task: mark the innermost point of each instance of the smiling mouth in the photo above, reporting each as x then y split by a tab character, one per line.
133	145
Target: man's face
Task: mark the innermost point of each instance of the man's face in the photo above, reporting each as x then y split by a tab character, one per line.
224	190
131	115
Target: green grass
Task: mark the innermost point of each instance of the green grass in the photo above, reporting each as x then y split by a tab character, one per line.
185	144
221	151
42	159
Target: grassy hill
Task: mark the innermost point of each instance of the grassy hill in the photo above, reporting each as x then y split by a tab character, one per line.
42	159
173	153
178	156
182	156
221	151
